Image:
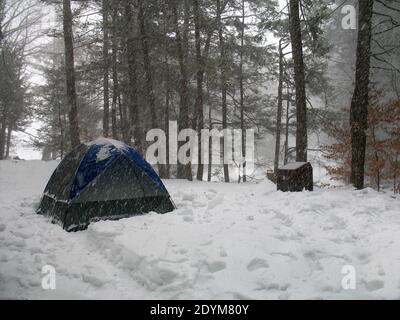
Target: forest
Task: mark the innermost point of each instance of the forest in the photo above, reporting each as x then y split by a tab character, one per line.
290	70
166	150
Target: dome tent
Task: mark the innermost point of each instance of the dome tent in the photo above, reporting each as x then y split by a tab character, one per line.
104	179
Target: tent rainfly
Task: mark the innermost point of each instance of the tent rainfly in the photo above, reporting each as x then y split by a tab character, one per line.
101	180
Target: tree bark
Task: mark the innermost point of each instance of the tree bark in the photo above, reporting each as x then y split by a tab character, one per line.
1	22
301	105
200	78
62	134
116	91
395	173
376	156
209	167
359	103
184	171
279	113
165	171
70	74
199	106
223	83
286	157
3	132
151	100
106	61
133	106
241	85
8	143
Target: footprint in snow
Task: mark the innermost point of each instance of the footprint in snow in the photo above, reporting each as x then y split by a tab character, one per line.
34	282
329	289
285	254
266	284
199	204
188	197
267	211
185	212
35	250
215	266
363	257
210	194
188	219
24	234
17	243
373	284
257	263
240	296
381	271
277	286
281	237
93	280
284	296
215	202
182	251
207	243
311	254
222	252
286	220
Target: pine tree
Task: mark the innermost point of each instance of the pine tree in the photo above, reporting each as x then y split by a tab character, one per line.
359	104
70	74
301	105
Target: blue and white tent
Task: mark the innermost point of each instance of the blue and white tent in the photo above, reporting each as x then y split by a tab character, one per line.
104	179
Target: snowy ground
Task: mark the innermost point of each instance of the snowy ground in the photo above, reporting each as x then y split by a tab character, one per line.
224	242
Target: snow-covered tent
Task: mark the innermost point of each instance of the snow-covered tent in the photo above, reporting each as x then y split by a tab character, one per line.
104	179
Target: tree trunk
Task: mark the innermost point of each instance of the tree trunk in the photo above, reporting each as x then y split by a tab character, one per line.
3	132
106	61
286	157
165	169
114	123
223	83
209	171
241	84
301	105
199	77
8	143
395	173
279	114
146	63
377	158
199	107
62	134
116	99
133	106
70	74
184	171
1	32
359	103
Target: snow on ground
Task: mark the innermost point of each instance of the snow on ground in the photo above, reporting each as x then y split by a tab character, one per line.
226	241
